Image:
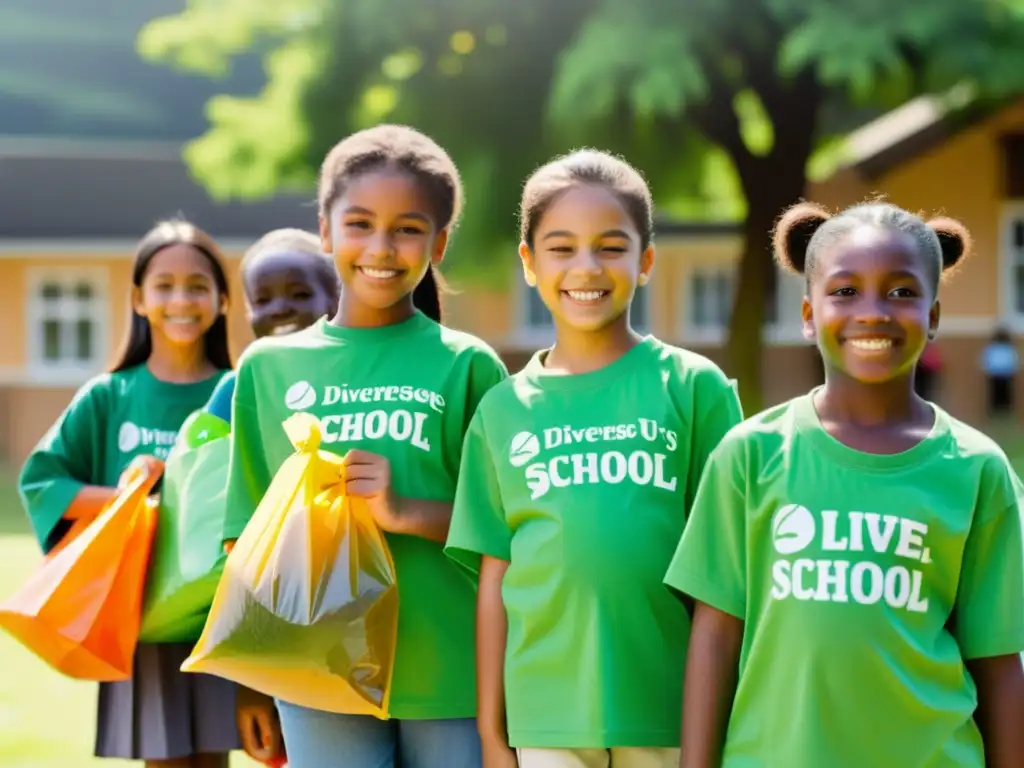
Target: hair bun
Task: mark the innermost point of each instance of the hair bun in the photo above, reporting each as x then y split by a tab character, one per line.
954	239
793	233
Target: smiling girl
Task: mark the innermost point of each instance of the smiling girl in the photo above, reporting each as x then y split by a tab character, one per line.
856	553
175	352
389	198
577	476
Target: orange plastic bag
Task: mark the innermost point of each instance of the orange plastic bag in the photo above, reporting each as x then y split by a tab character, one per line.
307	607
80	611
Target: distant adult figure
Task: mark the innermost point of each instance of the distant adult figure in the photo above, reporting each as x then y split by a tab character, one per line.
928	369
1000	363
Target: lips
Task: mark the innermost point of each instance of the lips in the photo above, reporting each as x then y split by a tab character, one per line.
183	320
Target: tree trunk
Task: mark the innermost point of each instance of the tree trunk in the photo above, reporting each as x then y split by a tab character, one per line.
767	195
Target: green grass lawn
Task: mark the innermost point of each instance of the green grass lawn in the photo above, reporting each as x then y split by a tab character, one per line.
46	720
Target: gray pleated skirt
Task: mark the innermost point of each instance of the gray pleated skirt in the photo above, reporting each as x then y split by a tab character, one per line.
163	713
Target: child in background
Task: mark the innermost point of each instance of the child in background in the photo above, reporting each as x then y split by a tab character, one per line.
576	479
394	392
175	352
288	284
856	553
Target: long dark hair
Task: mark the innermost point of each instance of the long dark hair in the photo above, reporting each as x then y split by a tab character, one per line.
138	342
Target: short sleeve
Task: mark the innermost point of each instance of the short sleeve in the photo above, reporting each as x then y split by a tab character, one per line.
718	410
248	473
710	563
219	404
485	370
67	458
989	613
478	524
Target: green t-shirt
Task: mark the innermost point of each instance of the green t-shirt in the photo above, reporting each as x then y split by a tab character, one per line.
407	392
112	419
583	483
864	582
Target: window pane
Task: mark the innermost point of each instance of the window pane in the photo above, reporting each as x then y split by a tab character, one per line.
51	291
83	291
51	340
83	340
1018	288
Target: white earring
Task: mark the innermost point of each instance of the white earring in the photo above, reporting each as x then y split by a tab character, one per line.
643	279
531	281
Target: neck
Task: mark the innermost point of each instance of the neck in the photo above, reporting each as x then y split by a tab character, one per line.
354	314
844	400
578	351
176	364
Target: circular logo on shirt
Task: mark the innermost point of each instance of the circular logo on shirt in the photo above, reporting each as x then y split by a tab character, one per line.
792	529
128	437
300	396
524	446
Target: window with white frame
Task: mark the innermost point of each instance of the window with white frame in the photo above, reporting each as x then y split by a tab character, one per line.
1013	260
538	318
66	322
709	300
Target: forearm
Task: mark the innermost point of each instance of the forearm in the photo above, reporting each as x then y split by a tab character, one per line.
491	636
712	667
425	519
1000	713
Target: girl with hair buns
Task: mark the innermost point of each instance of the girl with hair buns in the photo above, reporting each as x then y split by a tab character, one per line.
855	554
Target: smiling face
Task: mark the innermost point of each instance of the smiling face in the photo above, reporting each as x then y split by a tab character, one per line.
586	259
286	291
870	306
179	296
383	238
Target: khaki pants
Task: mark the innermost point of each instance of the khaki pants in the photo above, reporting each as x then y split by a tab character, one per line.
619	757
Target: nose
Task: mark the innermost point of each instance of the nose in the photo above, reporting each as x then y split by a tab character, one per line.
873	310
278	308
586	260
381	244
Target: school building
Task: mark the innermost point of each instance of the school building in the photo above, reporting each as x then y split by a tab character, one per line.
71	213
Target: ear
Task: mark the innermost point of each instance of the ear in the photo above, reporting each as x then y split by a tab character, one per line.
325	235
440	245
646	266
933	320
224	304
807	314
526	256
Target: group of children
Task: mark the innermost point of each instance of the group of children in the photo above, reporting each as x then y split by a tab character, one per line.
838	580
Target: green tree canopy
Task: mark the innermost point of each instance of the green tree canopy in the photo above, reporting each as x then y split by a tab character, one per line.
722	103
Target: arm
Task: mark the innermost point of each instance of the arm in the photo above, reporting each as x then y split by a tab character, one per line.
712	665
1000	713
426	519
491	634
57	483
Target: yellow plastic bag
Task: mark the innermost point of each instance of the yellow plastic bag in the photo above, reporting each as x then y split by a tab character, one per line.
307	608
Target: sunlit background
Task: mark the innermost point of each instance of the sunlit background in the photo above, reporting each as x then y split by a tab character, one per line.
116	114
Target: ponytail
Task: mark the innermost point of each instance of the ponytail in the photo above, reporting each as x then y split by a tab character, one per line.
427	296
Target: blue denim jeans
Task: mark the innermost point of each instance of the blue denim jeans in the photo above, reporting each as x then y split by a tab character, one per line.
326	740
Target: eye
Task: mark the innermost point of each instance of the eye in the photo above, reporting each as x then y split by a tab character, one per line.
409	230
845	292
358	224
302	295
614	248
903	293
561	249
